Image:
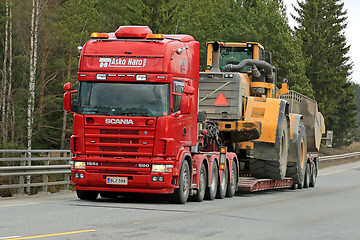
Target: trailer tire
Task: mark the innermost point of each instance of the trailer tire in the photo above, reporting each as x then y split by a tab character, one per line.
222	187
296	170
307	176
232	185
199	196
313	175
86	195
212	189
181	195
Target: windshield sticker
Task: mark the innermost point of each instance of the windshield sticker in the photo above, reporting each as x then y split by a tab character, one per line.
122	62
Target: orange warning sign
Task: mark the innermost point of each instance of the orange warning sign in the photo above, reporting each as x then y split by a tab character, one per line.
221	100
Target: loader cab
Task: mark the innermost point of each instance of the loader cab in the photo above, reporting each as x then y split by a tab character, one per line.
220	54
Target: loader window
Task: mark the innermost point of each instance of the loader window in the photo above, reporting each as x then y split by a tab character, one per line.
234	55
124	99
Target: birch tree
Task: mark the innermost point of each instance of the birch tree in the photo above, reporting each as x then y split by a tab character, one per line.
33	64
4	76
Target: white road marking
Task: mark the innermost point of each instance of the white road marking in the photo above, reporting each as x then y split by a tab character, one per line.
9	237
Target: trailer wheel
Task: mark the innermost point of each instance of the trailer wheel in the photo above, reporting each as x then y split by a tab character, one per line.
307	176
296	170
222	187
212	189
232	185
180	195
199	196
313	175
86	195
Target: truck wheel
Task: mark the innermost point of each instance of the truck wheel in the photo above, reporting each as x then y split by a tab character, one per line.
199	196
232	185
210	192
181	194
86	195
296	170
307	176
313	175
222	187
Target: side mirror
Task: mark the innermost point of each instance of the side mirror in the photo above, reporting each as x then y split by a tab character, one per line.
67	86
189	90
67	101
186	100
185	104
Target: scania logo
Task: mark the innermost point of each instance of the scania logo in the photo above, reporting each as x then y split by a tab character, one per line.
118	121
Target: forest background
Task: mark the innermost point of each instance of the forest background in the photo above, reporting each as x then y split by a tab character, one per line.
39	40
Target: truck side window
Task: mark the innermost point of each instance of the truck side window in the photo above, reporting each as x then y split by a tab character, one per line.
178	88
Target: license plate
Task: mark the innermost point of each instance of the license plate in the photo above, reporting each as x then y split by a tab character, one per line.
117	180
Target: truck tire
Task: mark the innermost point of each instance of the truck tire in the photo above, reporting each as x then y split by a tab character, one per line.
274	169
313	175
296	170
199	196
180	195
307	176
86	195
232	185
222	187
212	189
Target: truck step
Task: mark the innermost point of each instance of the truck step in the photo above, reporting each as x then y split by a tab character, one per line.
250	184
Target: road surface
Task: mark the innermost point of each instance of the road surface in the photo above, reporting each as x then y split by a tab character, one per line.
331	210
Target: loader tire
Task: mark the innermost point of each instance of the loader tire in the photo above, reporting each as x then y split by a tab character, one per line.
296	170
274	169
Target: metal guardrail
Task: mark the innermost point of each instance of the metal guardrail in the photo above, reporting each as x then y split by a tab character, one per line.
21	168
18	170
340	157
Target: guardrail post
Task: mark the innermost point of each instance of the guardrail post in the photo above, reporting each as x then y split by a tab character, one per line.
67	175
22	178
28	177
46	176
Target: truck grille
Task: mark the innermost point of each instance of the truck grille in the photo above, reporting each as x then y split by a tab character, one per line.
124	142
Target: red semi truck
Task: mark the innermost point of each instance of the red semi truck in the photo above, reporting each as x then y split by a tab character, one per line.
137	126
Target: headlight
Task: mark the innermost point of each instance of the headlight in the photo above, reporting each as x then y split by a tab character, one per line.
162	168
79	165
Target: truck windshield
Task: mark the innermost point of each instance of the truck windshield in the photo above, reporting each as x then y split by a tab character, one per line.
234	55
124	99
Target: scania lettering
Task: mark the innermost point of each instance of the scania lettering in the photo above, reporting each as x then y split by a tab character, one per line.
118	121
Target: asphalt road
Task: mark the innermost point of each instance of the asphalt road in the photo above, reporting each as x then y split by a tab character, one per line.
331	210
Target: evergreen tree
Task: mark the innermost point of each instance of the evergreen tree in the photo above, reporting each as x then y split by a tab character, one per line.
321	28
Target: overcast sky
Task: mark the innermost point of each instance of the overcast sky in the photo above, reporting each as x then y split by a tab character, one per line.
352	31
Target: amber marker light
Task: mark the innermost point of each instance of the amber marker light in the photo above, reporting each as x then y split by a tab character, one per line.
96	35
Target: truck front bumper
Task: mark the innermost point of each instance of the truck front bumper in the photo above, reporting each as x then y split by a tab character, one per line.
148	183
